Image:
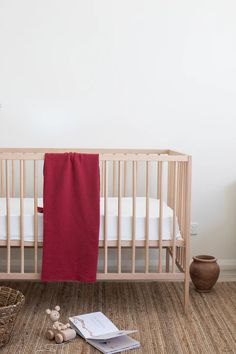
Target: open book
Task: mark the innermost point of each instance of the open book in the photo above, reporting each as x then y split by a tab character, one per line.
100	332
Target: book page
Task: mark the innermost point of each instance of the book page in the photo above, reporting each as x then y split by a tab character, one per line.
112	335
93	324
115	345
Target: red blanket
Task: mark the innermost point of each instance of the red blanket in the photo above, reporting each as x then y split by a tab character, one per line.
71	217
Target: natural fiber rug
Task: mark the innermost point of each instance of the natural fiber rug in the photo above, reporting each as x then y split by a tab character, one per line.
155	309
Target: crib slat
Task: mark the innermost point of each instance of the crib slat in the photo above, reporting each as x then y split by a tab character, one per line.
137	173
147	219
178	254
170	184
12	178
8	218
22	174
167	260
134	215
185	206
102	178
105	215
2	178
114	179
158	180
24	184
35	216
160	174
119	214
125	178
174	215
182	195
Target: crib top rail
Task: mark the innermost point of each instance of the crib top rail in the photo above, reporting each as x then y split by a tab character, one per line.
104	154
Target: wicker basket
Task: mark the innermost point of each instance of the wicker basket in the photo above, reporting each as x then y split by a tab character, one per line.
11	301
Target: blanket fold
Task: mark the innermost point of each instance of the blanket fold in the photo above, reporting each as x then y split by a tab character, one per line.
71	203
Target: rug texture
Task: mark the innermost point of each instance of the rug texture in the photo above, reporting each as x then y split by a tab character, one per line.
155	309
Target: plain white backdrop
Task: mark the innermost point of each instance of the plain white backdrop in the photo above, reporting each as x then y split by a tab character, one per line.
129	73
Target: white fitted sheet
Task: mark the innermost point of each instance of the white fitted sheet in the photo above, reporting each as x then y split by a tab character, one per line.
112	220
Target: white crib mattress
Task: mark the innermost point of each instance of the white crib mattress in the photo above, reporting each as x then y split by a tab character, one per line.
112	219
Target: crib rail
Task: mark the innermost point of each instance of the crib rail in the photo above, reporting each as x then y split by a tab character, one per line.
160	174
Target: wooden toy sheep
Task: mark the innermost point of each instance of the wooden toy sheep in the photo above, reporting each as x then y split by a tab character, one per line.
59	331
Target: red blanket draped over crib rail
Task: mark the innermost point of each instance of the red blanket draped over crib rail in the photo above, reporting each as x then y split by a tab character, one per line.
71	217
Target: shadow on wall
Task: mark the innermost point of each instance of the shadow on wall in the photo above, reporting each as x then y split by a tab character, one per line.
112	260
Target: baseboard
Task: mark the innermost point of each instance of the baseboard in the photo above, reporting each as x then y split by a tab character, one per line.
227	264
227	269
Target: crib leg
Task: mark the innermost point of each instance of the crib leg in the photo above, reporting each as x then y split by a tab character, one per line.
186	292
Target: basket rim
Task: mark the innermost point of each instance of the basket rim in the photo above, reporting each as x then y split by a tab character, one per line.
18	293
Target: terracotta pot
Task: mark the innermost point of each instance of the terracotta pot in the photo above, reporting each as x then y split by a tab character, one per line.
204	272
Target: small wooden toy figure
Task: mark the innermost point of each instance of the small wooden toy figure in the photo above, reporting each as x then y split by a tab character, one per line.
59	331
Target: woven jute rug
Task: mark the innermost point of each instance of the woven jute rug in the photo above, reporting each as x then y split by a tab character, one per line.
155	309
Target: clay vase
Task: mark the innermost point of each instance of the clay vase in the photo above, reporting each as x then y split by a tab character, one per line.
204	272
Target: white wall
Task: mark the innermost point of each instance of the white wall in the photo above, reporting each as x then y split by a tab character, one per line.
129	73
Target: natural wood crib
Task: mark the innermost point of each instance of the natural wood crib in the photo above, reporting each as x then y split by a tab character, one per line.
144	222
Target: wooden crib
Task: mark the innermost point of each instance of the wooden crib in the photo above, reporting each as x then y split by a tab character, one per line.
145	214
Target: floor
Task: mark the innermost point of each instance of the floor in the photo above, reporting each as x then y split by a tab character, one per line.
154	308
